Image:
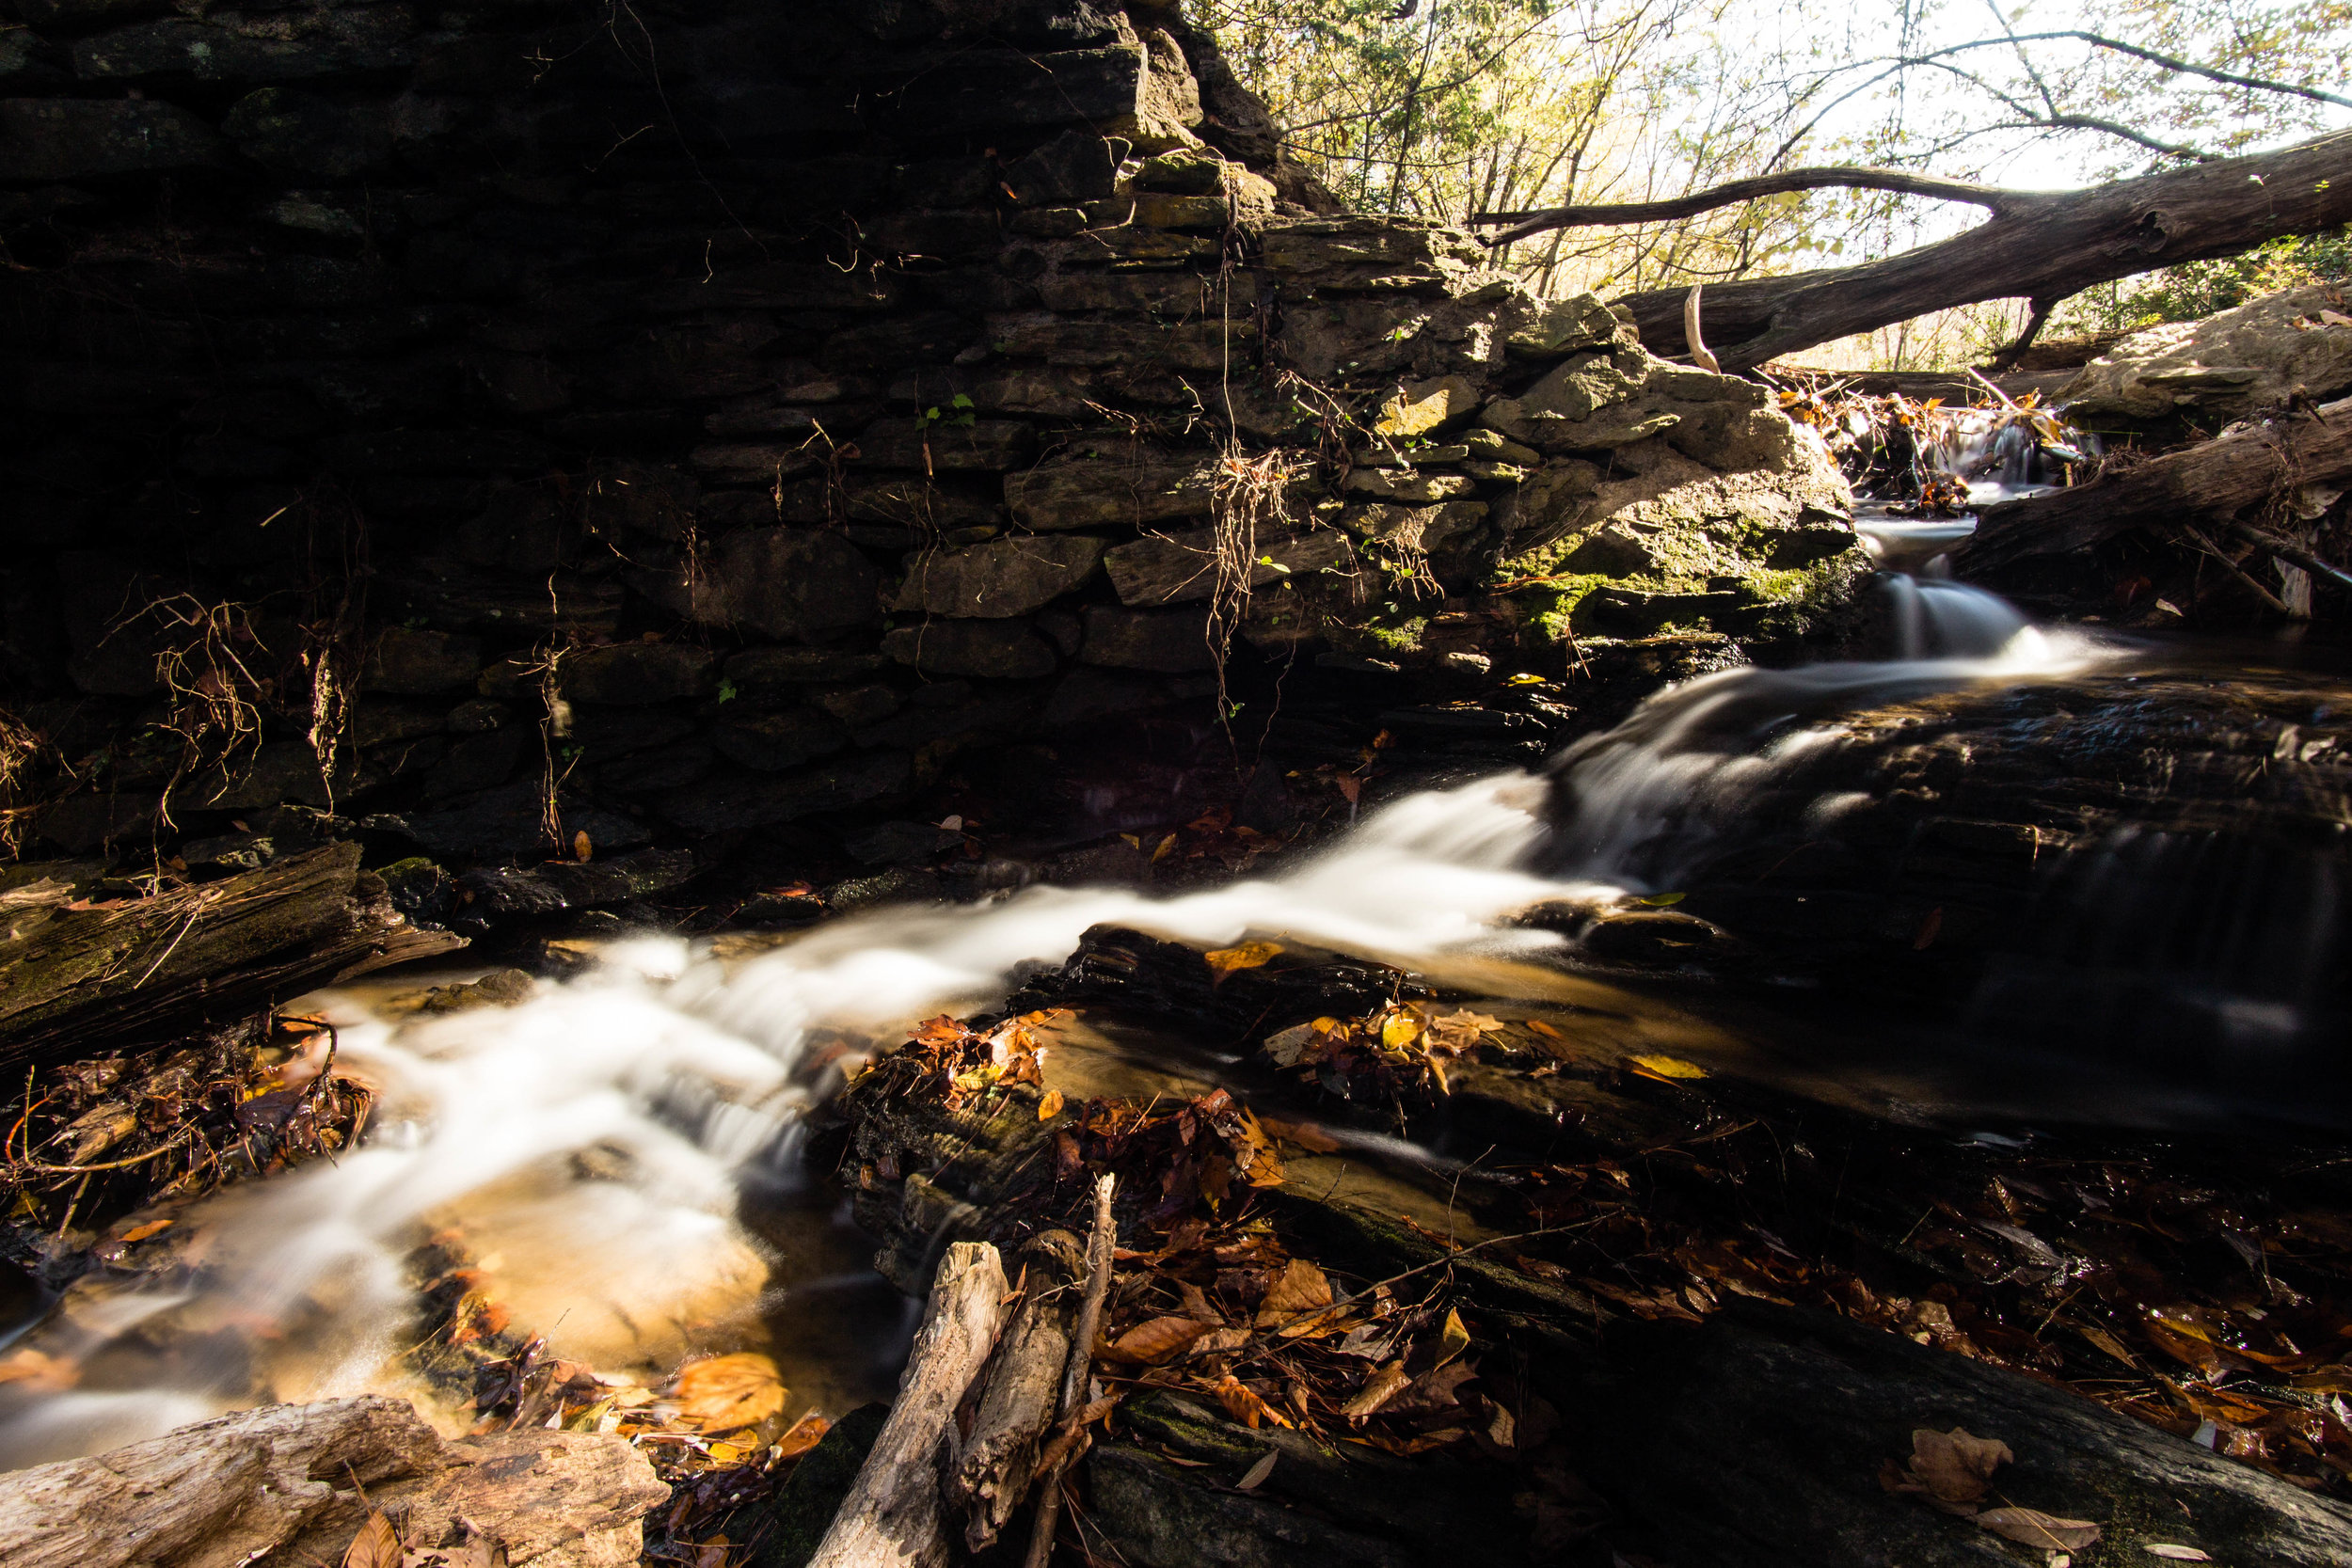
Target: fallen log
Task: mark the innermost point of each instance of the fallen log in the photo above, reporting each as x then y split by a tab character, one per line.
2040	246
2213	479
290	1484
77	979
893	1515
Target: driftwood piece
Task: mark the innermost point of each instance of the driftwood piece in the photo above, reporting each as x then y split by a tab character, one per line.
1023	1390
1071	1441
893	1515
292	1484
2213	479
77	981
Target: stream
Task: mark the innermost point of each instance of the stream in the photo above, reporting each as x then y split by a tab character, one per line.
618	1159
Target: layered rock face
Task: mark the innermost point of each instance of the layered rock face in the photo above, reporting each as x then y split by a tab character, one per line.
503	422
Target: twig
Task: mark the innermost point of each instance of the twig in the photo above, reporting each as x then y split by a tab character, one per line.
1701	355
2242	575
1073	1378
2293	554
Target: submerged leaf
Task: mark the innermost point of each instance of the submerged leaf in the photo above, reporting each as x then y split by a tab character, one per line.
727	1392
1049	1105
1249	954
1671	1069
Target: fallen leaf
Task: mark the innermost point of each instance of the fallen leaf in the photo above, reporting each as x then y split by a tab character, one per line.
1401	1030
1384	1385
713	1553
1257	1472
1155	1339
806	1433
1954	1469
1350	787
1305	1135
1242	1403
2178	1554
1433	1390
2030	1527
1671	1069
1300	1288
726	1392
376	1545
1249	954
1166	848
141	1232
1049	1105
582	847
1929	926
1453	1340
1219	1340
1664	900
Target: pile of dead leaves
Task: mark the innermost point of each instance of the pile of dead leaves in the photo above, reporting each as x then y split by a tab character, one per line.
1226	1312
1953	1471
1395	1056
1213	839
950	1061
95	1139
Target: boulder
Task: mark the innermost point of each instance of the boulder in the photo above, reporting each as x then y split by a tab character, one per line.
802	584
1178	568
636	673
1352	254
771	742
1001	650
1114	489
1002	579
757	668
2227	366
556	886
1169	641
288	1484
417	661
1420	407
43	139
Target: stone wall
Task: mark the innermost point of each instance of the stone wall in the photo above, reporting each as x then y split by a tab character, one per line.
728	413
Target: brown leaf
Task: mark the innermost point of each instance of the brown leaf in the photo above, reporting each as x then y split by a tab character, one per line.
376	1545
806	1433
1255	1476
1305	1135
2177	1553
1155	1339
1433	1390
1954	1469
726	1392
1300	1288
2030	1527
1384	1385
141	1232
581	848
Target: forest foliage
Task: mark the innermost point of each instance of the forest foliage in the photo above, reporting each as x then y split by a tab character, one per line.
1452	108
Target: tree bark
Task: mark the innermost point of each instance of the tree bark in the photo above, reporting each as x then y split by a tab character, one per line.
74	981
999	1455
2213	479
893	1515
2037	244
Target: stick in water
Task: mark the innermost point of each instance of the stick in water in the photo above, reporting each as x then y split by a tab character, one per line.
1074	1379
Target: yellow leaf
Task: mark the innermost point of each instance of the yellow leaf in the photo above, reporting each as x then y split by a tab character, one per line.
141	1232
1242	1403
1249	954
1157	1339
1401	1029
726	1392
581	848
376	1545
1453	1340
806	1433
1049	1105
1664	900
1671	1069
1167	846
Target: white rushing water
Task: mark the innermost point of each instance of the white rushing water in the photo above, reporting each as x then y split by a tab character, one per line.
587	1146
589	1142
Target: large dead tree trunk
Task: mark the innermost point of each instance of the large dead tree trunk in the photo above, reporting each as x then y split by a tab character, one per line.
2216	479
2042	245
79	980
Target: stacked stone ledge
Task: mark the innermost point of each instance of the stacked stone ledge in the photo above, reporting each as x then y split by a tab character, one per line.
744	419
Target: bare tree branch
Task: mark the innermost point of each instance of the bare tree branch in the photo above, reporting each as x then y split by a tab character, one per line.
1608	214
2101	40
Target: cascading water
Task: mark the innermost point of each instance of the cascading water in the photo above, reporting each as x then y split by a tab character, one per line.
592	1142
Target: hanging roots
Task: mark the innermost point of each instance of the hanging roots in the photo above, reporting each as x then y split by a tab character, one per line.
1250	491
